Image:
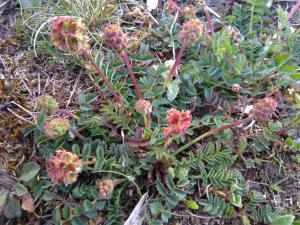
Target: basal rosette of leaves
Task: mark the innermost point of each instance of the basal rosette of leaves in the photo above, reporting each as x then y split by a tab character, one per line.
174	136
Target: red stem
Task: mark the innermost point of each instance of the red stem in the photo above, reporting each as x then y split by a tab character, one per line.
148	125
66	112
129	68
293	10
89	56
211	27
176	6
172	71
211	132
76	133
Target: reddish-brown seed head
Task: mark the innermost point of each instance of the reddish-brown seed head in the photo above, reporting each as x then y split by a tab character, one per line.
115	38
69	34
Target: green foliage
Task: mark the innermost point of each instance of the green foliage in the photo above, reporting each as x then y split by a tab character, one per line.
255	199
265	214
117	143
29	171
217	206
172	195
116	116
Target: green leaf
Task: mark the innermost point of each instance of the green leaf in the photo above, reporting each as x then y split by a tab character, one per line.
236	200
77	221
156	208
12	209
283	58
27	130
29	3
170	182
180	193
191	204
165	216
20	189
142	57
3	195
100	205
47	196
296	222
29	171
161	189
245	220
277	126
295	76
66	213
284	220
173	90
56	216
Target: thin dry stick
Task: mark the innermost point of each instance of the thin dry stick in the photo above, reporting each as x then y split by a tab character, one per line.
74	88
20	117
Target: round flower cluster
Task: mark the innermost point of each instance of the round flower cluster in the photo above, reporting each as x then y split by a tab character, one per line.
46	104
189	12
263	110
114	38
56	127
64	167
191	32
143	106
70	34
178	122
106	187
172	7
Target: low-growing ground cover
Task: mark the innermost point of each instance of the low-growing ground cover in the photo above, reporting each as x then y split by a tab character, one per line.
192	111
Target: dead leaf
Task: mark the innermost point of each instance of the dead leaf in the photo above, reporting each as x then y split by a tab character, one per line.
27	203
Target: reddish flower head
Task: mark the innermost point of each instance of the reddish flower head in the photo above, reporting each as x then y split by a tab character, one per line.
172	6
143	106
67	33
264	109
56	127
106	187
64	167
191	32
114	38
178	122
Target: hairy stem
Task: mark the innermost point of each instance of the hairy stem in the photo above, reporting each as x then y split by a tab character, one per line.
129	68
177	60
293	10
211	132
148	125
211	27
77	134
66	112
90	58
177	8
